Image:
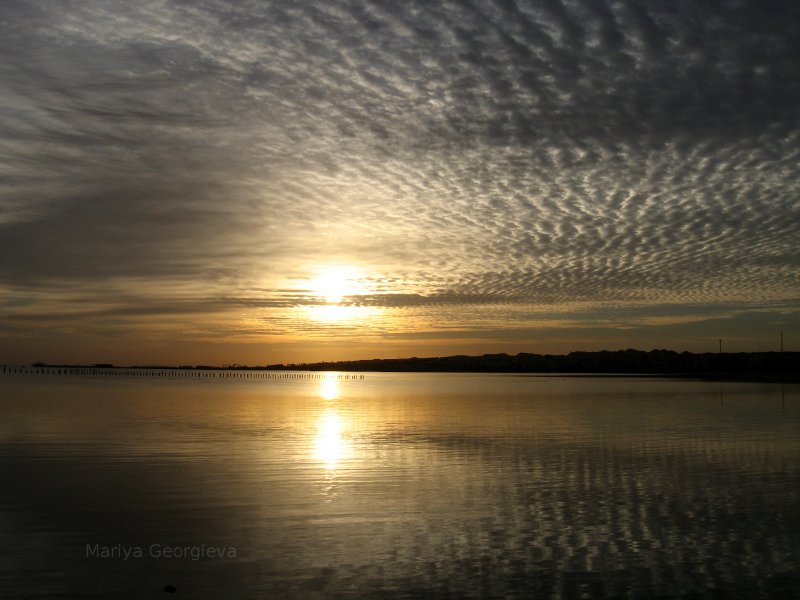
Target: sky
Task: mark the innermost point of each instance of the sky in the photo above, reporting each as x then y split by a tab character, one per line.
242	182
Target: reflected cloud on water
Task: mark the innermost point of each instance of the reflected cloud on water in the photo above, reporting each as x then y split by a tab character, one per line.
422	485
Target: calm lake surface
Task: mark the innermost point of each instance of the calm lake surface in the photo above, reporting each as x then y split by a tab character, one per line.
398	486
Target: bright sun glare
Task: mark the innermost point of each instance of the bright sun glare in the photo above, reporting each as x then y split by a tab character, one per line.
337	283
330	446
329	386
333	296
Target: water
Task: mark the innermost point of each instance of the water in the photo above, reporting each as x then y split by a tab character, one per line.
398	486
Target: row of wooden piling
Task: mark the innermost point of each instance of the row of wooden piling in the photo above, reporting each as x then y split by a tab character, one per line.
175	373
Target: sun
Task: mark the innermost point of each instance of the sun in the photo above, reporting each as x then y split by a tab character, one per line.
340	296
336	283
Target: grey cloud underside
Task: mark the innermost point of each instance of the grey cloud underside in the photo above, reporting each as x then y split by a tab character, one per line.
470	152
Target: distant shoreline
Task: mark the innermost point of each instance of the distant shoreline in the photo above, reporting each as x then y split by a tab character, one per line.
751	366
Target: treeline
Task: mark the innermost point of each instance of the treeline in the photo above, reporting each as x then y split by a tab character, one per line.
744	364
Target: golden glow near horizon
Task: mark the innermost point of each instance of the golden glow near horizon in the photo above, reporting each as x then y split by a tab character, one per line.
333	313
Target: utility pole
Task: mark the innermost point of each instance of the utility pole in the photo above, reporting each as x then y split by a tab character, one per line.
781	340
720	346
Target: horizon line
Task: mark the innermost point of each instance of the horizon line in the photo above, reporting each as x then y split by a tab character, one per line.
235	366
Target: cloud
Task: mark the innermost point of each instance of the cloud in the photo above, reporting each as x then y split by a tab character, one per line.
463	153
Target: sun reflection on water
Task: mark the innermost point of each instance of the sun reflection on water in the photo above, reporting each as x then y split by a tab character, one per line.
330	446
329	386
